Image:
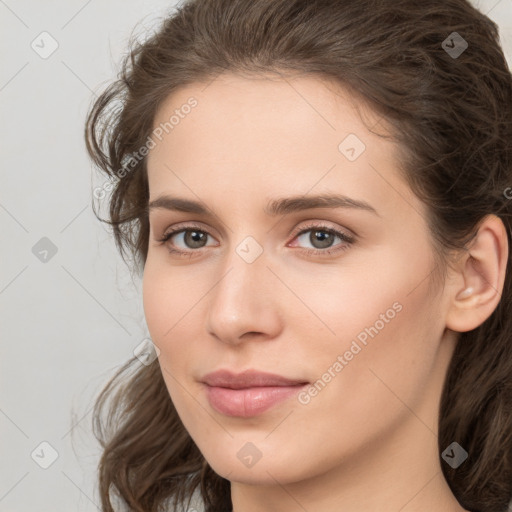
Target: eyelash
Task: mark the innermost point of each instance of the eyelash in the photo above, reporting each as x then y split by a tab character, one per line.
348	240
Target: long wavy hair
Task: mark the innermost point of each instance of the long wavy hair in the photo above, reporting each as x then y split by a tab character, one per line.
451	114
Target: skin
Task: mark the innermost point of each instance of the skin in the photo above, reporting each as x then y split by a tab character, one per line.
368	440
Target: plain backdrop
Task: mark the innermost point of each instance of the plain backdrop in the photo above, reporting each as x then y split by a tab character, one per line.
71	312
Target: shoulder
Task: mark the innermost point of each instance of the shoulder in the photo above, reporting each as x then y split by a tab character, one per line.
196	504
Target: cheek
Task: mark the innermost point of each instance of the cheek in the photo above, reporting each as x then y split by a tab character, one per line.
384	380
163	308
171	306
388	346
165	294
384	326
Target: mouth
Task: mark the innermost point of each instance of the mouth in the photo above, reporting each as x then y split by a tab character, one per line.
249	393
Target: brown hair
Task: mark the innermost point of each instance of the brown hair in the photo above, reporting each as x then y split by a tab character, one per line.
451	115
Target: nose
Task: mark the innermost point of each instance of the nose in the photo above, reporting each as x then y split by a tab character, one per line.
244	304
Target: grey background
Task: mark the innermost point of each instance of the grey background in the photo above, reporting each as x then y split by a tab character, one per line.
69	322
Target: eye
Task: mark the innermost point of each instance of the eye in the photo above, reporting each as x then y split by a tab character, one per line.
321	237
191	236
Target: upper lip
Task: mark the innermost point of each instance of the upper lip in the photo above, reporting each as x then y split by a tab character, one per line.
247	379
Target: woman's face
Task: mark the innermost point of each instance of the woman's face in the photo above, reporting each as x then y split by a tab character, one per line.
264	279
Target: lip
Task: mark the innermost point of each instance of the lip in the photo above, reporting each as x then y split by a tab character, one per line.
248	393
247	379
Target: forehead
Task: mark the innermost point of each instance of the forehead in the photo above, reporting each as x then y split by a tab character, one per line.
275	136
269	102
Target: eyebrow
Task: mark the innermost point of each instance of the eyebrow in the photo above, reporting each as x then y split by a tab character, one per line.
281	206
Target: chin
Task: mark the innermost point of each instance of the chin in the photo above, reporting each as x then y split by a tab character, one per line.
265	471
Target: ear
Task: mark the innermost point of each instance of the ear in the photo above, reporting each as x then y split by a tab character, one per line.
475	289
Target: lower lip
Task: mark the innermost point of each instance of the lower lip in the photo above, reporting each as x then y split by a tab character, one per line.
250	401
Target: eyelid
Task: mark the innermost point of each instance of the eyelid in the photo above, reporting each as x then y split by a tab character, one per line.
185	225
311	224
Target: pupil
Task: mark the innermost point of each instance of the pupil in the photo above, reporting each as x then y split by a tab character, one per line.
324	238
195	237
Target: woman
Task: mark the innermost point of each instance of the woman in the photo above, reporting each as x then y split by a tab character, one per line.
316	195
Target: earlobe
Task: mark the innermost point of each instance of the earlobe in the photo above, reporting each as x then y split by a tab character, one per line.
478	285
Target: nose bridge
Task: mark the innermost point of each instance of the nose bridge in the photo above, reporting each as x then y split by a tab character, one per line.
240	302
244	278
244	267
